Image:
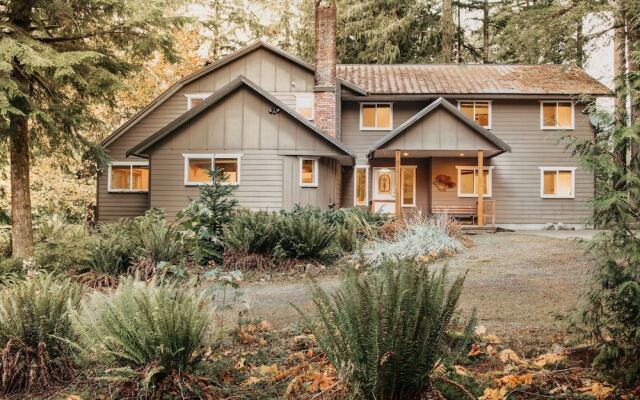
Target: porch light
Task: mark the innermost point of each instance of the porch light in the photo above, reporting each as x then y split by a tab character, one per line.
461	154
385	170
405	154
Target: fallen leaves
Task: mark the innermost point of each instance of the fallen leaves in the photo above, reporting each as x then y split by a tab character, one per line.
549	358
510	356
599	390
513	381
494	394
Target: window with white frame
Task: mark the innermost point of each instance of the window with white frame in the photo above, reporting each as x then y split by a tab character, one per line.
308	172
195	99
479	111
197	166
128	176
557	114
376	116
557	182
468	181
361	186
304	104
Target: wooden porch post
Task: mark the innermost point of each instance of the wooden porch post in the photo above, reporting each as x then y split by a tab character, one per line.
480	188
398	186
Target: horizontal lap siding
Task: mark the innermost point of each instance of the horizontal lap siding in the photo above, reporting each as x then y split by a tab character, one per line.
322	196
273	73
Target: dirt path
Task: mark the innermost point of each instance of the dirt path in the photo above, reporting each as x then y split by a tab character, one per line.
517	282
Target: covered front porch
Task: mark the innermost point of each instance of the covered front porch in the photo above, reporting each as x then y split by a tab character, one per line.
437	162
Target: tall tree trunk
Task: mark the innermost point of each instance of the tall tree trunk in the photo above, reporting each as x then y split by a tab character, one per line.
579	45
21	223
459	36
447	31
485	32
620	59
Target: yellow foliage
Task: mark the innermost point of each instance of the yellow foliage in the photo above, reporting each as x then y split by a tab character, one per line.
510	356
494	394
599	390
548	358
513	381
460	370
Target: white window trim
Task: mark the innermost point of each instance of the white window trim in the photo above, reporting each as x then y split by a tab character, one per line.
557	128
393	194
316	163
192	96
212	157
362	128
129	164
558	169
475	168
306	95
490	111
366	188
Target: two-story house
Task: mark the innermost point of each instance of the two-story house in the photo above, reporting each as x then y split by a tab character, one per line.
386	137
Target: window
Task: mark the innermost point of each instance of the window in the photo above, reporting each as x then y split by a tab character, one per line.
197	166
195	99
376	116
557	182
384	184
128	177
468	181
304	105
479	111
361	186
308	172
556	115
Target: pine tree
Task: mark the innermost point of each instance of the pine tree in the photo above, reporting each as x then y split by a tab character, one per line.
58	59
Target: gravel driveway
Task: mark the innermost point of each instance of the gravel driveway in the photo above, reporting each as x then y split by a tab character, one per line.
518	282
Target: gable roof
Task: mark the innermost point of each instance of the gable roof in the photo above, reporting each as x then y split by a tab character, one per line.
219	95
444	79
441	103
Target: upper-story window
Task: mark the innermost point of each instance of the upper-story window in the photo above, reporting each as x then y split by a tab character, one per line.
304	105
128	176
197	166
479	111
195	99
556	114
376	116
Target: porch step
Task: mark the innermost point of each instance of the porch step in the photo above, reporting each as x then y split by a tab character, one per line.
475	229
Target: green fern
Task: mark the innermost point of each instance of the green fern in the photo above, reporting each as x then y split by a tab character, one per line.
386	332
306	237
252	232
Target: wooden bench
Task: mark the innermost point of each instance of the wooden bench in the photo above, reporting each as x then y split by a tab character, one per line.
458	212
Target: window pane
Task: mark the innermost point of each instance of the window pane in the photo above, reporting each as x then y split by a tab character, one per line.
307	171
199	170
196	102
549	182
482	113
383	113
140	178
564	183
549	114
564	115
368	116
230	168
486	181
361	186
408	182
384	183
467	109
120	177
467	181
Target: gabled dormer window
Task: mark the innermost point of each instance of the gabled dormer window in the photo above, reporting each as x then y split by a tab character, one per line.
376	116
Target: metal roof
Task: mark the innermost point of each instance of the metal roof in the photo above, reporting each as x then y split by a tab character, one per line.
447	79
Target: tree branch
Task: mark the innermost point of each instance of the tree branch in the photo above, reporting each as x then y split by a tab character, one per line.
79	37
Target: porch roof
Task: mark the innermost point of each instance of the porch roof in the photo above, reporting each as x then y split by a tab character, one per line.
440	129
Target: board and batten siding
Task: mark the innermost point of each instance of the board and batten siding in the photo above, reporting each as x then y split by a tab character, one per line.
269	144
275	74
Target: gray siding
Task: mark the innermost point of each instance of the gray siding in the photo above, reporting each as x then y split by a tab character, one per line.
242	124
273	73
516	175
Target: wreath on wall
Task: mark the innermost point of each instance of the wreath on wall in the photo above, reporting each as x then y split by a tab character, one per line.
443	183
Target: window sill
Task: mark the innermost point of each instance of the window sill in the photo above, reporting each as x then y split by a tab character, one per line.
553	128
309	186
375	129
484	196
127	191
558	197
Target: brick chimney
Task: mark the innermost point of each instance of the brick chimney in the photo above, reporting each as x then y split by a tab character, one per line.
324	105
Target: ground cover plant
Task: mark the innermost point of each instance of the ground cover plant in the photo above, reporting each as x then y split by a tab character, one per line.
145	334
35	330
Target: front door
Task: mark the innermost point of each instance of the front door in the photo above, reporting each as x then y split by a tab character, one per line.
384	188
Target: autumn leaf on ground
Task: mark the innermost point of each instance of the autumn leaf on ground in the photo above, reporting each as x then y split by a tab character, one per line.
240	364
267	369
510	356
252	380
226	378
599	390
460	370
476	350
513	381
549	358
320	381
74	397
480	330
494	394
492	339
265	326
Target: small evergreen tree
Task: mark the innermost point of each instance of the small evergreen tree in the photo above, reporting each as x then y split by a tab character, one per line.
206	216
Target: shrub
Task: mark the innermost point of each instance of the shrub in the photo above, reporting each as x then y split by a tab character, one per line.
252	232
145	331
384	333
422	239
34	331
206	217
113	249
306	237
5	241
158	240
61	246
